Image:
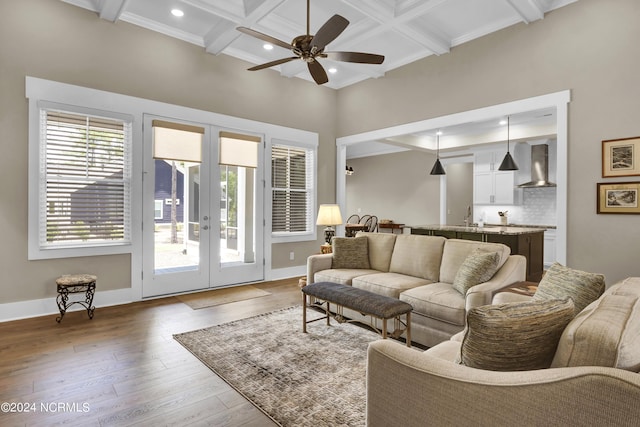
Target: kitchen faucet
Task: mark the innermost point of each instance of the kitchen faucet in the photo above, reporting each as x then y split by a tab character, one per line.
467	217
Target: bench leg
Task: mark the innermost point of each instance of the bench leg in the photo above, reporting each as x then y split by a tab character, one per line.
384	329
304	312
409	329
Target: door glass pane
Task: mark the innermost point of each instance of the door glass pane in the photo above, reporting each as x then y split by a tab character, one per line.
176	227
237	228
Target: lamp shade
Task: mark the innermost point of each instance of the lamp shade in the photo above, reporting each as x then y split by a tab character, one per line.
437	168
508	164
329	215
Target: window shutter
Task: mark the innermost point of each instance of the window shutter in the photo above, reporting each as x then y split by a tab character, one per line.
85	180
292	185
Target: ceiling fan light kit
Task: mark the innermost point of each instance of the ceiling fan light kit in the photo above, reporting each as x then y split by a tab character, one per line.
309	48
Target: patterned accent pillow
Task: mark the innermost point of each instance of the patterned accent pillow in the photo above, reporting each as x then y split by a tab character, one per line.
560	282
477	268
518	336
350	252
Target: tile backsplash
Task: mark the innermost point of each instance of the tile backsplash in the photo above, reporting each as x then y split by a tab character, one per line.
538	207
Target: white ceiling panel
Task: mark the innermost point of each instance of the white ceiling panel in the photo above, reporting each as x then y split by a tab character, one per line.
402	30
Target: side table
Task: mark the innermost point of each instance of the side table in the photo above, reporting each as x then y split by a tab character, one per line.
73	284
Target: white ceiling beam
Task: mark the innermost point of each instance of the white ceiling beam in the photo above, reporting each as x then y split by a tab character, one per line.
224	32
111	10
527	10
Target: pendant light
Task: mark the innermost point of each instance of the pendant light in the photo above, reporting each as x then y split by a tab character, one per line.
508	164
437	166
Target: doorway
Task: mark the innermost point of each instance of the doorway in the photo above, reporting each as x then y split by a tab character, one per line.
201	207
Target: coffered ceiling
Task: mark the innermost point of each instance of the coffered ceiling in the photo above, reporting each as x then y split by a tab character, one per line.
403	31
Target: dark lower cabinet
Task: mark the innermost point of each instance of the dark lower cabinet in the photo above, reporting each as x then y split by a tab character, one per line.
530	245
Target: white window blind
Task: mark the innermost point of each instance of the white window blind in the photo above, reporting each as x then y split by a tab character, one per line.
292	189
85	180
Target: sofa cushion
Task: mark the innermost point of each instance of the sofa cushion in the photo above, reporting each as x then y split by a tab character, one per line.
517	336
477	268
343	276
437	301
417	256
387	284
560	282
606	332
350	252
456	251
380	249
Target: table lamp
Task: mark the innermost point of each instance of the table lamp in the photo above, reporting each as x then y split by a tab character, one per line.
329	215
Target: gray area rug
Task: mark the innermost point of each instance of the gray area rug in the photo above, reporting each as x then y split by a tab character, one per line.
313	379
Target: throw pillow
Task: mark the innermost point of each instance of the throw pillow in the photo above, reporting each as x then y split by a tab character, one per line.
477	268
560	282
349	252
518	336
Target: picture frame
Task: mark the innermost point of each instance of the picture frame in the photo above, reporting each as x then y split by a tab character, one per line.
621	157
618	198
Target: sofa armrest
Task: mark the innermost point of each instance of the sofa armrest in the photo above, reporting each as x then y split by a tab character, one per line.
512	271
406	387
317	263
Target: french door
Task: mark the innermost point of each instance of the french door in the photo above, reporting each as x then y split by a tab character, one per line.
202	207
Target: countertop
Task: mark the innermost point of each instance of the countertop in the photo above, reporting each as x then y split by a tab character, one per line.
487	229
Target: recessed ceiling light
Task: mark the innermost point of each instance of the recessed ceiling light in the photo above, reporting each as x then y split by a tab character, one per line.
503	122
439	132
177	12
267	46
333	70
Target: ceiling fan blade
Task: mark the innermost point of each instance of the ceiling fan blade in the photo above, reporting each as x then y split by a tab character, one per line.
329	31
317	72
272	63
264	37
359	57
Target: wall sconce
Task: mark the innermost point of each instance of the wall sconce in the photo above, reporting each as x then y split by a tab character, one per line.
437	166
508	164
329	215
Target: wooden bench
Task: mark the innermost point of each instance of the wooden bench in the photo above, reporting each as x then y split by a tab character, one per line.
364	302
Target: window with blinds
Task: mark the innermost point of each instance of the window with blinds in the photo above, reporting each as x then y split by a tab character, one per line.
292	189
85	180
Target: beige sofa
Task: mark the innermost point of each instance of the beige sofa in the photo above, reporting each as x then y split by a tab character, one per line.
593	379
421	270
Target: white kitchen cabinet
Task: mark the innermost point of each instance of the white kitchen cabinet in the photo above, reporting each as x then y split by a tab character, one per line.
490	185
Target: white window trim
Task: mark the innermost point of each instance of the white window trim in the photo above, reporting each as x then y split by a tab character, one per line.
284	237
41	89
35	249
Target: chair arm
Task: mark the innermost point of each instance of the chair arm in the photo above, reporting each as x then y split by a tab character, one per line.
512	271
317	263
406	387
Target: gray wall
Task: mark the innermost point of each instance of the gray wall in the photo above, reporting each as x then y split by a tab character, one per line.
394	186
56	41
589	47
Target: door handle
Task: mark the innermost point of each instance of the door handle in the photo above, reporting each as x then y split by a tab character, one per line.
206	218
205	227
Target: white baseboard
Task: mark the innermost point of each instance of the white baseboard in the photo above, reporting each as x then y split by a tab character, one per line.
286	273
47	306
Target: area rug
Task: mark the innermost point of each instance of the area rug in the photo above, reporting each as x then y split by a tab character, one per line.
215	297
313	379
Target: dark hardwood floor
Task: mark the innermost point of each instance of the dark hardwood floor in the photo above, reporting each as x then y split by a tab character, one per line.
123	367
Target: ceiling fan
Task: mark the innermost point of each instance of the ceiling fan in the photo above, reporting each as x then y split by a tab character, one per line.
311	47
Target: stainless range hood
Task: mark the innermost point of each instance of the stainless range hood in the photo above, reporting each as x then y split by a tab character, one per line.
539	168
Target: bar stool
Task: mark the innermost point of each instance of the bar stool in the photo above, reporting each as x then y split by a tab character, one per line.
73	284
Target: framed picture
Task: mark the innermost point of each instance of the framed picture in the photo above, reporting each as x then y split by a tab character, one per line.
621	157
618	198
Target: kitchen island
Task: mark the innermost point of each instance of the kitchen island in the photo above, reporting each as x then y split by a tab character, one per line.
525	241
